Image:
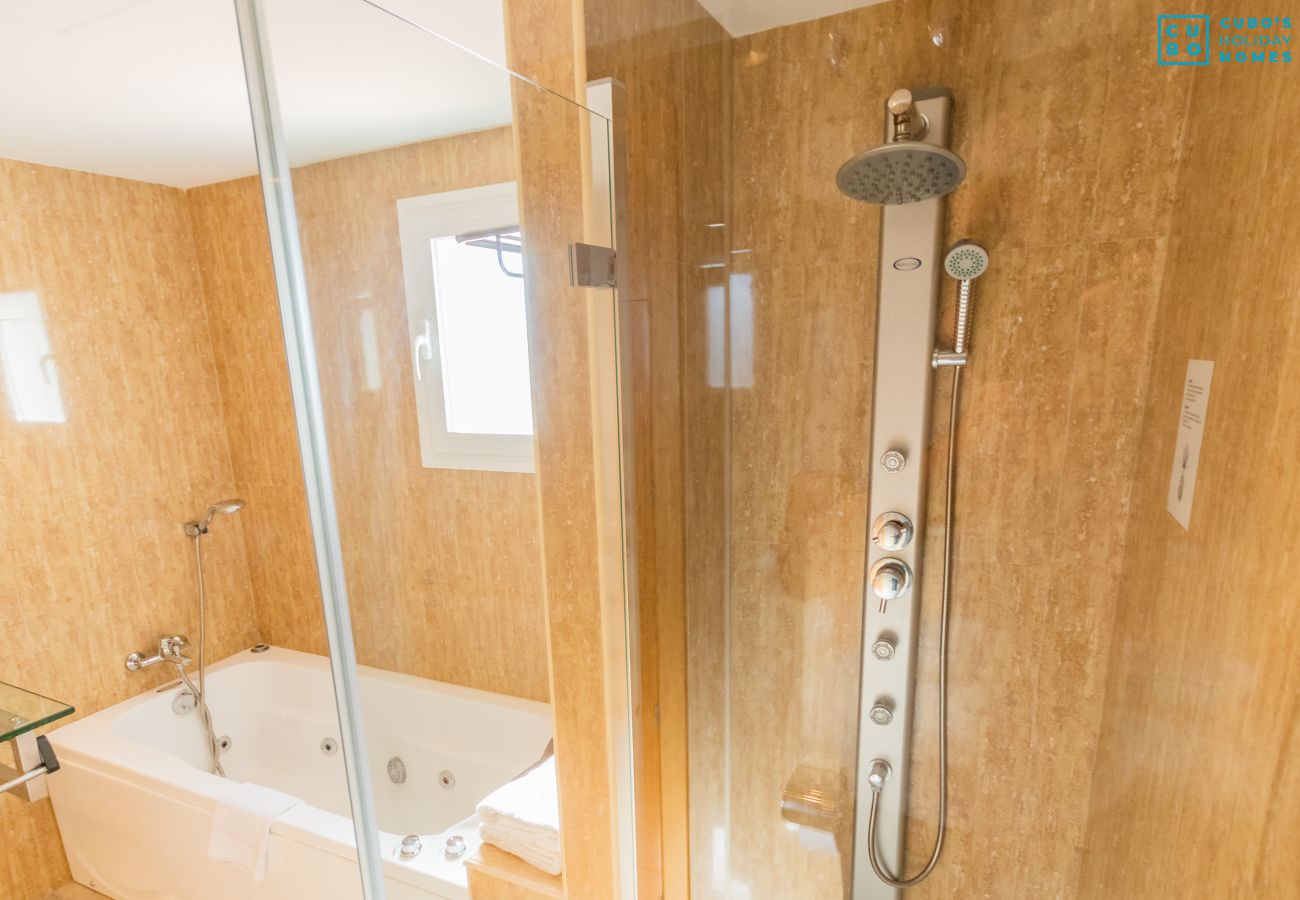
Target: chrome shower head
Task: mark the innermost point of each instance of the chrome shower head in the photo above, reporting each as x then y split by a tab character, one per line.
220	508
966	261
902	172
907	169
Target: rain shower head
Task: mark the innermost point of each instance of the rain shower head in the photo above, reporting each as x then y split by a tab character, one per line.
220	508
901	172
966	261
906	170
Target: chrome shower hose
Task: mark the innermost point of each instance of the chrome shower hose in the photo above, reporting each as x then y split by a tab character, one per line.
200	693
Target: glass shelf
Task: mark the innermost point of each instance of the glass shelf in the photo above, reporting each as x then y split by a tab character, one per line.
21	711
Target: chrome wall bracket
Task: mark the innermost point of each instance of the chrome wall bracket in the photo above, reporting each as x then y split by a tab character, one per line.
905	363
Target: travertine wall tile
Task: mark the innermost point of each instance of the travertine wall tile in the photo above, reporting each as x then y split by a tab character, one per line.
1195	792
553	141
672	58
93	561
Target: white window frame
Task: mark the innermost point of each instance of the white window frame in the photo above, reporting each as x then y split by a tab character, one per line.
421	220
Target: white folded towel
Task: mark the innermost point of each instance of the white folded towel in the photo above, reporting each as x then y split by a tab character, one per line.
523	818
241	825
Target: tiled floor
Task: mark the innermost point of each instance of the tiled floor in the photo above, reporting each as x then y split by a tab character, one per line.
74	892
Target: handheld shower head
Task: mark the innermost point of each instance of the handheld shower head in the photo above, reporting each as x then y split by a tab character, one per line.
966	261
220	508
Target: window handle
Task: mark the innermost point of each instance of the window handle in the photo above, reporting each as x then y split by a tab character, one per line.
423	348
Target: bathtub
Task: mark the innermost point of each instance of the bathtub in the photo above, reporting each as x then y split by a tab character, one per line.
134	799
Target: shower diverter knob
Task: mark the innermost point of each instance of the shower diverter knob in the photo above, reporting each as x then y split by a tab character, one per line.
890	578
891	531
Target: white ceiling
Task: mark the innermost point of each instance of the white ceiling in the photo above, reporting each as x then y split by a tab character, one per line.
748	16
153	90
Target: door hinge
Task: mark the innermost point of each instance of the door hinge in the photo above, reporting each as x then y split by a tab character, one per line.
592	266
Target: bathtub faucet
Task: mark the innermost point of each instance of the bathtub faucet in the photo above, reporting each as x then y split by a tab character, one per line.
170	649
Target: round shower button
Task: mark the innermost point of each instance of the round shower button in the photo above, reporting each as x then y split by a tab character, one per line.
882	649
881	714
893	461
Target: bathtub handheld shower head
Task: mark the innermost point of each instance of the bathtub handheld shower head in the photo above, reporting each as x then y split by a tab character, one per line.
196	530
220	508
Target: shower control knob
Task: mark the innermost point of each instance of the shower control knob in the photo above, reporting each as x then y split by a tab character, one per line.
411	847
893	461
891	531
882	713
890	578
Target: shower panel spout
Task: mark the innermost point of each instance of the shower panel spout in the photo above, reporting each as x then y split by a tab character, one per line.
908	175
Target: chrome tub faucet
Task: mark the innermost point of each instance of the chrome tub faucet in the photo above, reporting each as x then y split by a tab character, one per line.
171	649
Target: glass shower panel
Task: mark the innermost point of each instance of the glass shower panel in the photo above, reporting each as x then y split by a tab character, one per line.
143	382
436	197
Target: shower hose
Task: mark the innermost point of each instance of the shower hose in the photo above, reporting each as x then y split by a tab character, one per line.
876	864
214	753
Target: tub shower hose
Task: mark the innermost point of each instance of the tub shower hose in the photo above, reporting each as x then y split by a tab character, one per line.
214	752
876	865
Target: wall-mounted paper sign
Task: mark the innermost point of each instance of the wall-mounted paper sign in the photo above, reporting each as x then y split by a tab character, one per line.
1191	428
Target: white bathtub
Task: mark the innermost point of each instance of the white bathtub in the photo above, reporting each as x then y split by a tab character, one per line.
134	799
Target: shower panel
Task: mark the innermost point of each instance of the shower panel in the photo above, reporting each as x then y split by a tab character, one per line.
909	175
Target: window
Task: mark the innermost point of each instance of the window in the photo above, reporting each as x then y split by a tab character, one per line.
469	339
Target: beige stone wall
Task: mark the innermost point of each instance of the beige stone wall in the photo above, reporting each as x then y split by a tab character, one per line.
93	561
1197	789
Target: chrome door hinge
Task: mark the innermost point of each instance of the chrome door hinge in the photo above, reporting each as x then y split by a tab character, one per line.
592	266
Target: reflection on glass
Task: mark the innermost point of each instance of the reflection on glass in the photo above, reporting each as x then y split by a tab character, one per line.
374	379
742	331
716	319
31	379
483	341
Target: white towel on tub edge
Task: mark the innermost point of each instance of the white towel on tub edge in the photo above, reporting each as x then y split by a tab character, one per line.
523	818
241	825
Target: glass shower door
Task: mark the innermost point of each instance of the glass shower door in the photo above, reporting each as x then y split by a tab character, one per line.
426	216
